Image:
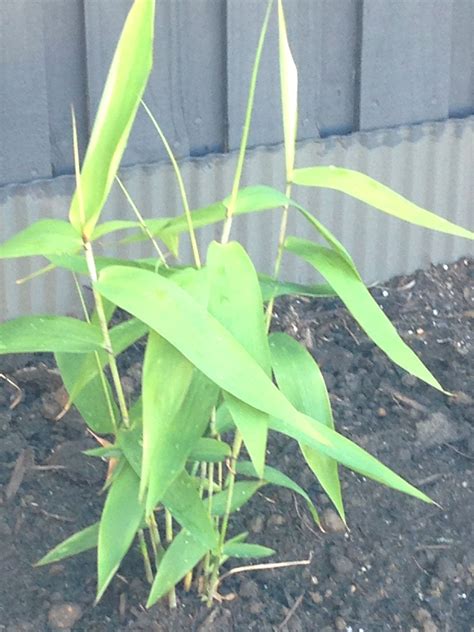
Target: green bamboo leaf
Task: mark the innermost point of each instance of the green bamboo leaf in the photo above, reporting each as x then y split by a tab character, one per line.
177	402
187	325
31	334
121	518
224	420
246	550
45	237
183	501
126	81
95	400
210	450
243	492
181	496
289	92
111	452
236	301
275	477
81	541
300	379
271	287
362	306
305	430
368	190
180	557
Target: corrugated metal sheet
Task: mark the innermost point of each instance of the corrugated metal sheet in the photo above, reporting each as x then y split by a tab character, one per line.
432	164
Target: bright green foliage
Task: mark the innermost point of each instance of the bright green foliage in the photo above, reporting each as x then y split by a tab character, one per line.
381	197
300	379
31	334
123	90
78	543
362	306
121	518
208	360
45	237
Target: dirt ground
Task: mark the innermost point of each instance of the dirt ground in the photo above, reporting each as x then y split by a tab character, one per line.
403	566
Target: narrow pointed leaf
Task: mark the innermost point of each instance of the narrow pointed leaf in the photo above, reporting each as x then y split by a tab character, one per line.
362	306
236	302
243	492
275	477
126	81
177	402
300	379
368	190
245	550
188	326
273	288
45	237
181	496
210	450
81	541
183	501
289	92
31	334
180	557
121	518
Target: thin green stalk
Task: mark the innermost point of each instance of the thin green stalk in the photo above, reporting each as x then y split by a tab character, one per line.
155	539
281	243
246	129
145	556
169	538
97	359
182	190
230	484
143	225
105	334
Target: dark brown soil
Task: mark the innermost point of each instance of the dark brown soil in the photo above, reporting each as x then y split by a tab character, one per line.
403	566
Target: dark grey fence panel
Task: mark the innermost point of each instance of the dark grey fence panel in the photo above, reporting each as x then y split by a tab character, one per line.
462	59
186	84
24	127
66	80
405	62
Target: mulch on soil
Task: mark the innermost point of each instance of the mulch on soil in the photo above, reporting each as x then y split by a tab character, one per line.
402	566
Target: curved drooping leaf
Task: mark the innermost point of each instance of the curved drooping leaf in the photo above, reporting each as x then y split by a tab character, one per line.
180	557
121	518
275	477
300	379
126	81
45	237
31	334
235	300
362	306
81	541
189	327
376	194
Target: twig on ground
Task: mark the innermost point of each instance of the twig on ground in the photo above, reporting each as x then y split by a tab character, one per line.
23	463
19	392
291	612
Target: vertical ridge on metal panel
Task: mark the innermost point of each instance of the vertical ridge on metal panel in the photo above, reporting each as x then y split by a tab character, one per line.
405	62
24	127
461	98
66	80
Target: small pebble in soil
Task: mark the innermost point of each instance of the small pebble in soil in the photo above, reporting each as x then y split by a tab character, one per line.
257	524
332	522
63	616
248	589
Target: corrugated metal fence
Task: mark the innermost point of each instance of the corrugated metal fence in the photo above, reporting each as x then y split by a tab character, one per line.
364	64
